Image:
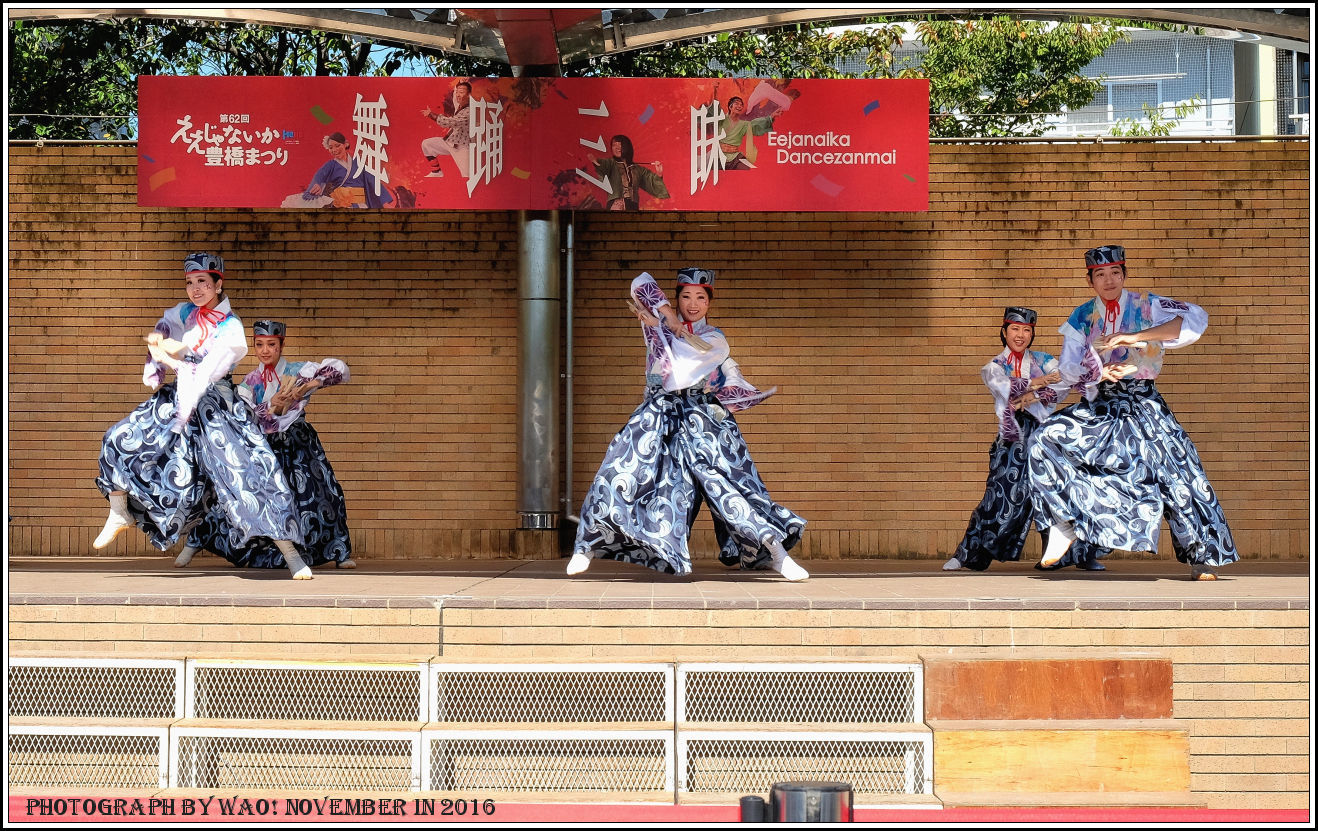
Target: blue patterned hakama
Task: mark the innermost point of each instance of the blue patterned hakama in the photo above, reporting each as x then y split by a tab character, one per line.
677	450
220	461
1001	521
195	445
318	504
1117	465
318	498
680	448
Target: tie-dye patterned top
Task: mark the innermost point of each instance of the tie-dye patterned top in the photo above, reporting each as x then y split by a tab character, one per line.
259	387
1137	311
1000	377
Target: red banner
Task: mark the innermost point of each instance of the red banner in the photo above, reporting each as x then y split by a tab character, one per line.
535	143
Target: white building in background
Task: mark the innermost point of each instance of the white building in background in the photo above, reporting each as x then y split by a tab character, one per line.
1159	70
1162	70
1292	93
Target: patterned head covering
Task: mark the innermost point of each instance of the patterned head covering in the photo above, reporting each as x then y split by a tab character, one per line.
203	263
1105	255
1019	314
268	328
695	277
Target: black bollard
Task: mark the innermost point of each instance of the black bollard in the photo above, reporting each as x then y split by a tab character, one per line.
753	809
810	802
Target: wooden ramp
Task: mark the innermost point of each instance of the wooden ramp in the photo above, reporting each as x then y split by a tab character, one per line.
1057	731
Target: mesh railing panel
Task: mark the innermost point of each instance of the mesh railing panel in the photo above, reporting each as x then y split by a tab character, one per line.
754	765
306	694
78	691
799	696
295	763
547	696
522	764
49	760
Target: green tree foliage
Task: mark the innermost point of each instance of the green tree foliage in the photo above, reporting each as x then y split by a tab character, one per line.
1154	122
800	51
76	69
90	67
994	76
1001	76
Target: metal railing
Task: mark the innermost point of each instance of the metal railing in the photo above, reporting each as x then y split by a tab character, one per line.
572	728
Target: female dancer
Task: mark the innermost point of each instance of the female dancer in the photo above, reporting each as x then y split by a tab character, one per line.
195	444
1019	380
278	390
1106	469
682	446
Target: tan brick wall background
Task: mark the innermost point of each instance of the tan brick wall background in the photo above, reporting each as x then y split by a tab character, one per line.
874	327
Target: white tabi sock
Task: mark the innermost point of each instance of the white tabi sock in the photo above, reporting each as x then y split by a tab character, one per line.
782	563
301	571
185	556
1060	538
579	563
118	520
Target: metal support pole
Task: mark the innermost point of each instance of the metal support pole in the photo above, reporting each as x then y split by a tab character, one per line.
538	299
1255	89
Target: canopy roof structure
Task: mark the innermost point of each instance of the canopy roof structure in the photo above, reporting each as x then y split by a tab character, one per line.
547	37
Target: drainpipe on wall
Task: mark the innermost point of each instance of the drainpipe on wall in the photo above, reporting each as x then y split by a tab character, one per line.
568	504
538	310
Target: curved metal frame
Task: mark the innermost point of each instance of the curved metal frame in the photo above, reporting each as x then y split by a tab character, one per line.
471	37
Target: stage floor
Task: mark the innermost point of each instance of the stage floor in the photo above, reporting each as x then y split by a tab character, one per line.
530	584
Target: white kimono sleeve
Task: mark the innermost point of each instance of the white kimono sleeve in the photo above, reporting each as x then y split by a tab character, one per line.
1051	395
690	367
170	325
226	346
1004	388
736	393
330	372
648	294
1194	320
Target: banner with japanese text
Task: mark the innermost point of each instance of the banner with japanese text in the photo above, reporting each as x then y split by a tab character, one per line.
687	144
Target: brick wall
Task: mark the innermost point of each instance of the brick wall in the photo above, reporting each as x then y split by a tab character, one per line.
1240	672
873	326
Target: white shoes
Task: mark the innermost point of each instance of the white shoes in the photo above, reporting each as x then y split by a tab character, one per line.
185	556
952	564
784	564
348	563
301	571
118	520
578	564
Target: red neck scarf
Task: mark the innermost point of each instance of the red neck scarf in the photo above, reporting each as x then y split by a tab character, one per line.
689	326
1111	315
1014	361
207	320
269	377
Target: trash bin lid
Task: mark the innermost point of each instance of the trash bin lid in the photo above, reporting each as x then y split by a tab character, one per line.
825	787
